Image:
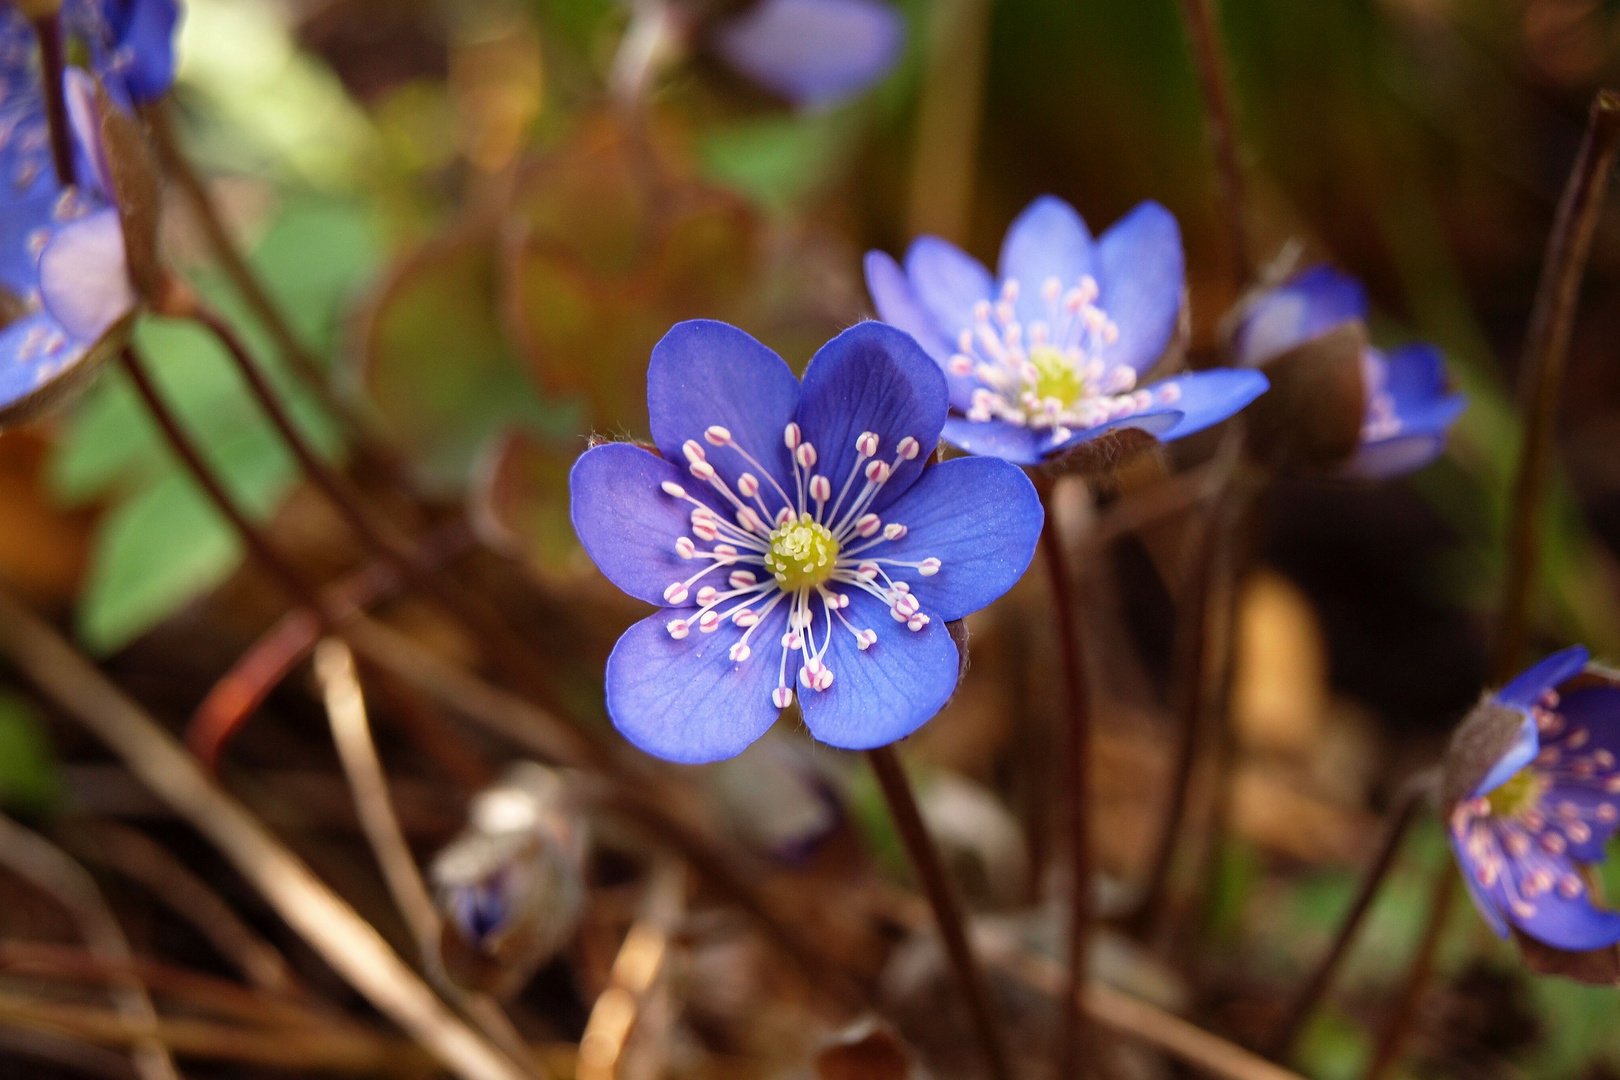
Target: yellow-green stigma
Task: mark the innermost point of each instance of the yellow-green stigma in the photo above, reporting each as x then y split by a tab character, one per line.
1521	792
1055	375
802	553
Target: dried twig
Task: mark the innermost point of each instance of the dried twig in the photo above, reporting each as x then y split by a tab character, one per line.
622	1009
347	942
51	870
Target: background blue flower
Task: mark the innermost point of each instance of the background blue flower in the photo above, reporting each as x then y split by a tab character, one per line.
130	43
1549	803
794	538
1408	407
1049	353
815	53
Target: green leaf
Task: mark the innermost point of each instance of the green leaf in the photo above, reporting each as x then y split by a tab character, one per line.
780	161
29	780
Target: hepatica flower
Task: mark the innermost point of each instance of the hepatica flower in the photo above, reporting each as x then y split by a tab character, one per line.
1051	351
795	541
1533	795
62	246
814	53
1408	407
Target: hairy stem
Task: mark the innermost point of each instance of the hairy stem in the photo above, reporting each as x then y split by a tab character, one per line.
930	870
48	29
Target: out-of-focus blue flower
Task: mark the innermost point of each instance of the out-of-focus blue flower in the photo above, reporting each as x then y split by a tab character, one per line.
130	44
1050	355
1409	407
815	53
1546	805
793	537
61	247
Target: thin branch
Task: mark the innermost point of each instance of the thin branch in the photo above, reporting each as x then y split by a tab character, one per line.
48	29
637	973
51	870
1075	1044
1216	92
1546	350
930	870
137	856
1403	1015
351	731
1407	801
347	942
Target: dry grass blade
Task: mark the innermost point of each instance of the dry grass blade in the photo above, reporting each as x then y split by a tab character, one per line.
345	940
624	1008
53	871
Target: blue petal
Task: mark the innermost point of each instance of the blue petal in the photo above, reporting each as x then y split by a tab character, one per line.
1389	458
981	518
1595	710
1156	420
949	282
1142	276
1526	690
1303	308
1526	744
898	305
1564	923
705	372
1415	377
1048	240
626	522
83	278
22	221
887	691
813	52
875	378
1206	398
687	701
1470	868
995	438
1587	797
35	351
143	46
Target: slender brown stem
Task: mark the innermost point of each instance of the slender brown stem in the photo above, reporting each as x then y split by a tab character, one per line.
1407	801
1546	349
49	30
1209	58
1404	1013
930	870
1075	1036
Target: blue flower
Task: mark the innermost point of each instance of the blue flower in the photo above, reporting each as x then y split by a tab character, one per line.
1408	406
1050	355
61	247
130	43
815	53
1547	801
794	539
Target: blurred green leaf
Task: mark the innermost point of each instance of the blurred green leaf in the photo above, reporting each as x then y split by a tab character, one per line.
1333	1047
29	780
780	161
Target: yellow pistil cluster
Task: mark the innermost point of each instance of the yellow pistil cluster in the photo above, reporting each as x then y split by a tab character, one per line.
803	553
1055	376
1521	792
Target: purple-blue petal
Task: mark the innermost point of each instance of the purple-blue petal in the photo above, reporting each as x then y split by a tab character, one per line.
1141	272
948	281
1156	420
1206	398
1486	906
1526	744
35	351
142	49
1387	458
1571	923
1526	689
996	438
872	377
981	518
1415	377
704	372
1587	799
687	701
887	691
1305	307
627	524
1048	239
1594	710
899	305
813	52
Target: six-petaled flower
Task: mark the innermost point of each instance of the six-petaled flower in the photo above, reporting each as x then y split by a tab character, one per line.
1052	354
1408	408
1544	804
796	541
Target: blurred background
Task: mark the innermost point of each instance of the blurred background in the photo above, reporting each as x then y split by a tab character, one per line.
481	248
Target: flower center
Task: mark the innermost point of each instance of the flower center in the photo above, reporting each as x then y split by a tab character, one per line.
1055	376
1521	793
803	553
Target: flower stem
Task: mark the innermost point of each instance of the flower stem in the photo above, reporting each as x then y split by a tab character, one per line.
1075	1035
1404	1012
1407	800
49	30
1216	91
1546	349
930	870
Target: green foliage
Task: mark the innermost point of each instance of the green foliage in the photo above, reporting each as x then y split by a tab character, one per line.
28	775
161	544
